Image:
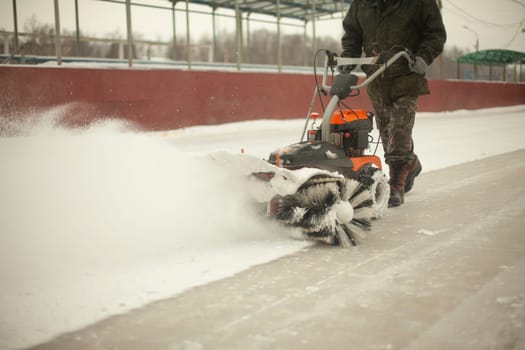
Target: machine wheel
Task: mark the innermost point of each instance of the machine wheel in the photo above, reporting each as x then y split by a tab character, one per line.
376	181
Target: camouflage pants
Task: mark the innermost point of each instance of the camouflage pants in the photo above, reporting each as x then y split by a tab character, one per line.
395	123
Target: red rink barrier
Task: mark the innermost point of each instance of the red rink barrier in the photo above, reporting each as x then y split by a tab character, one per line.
163	99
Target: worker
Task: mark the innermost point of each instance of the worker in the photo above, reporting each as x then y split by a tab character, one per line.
373	27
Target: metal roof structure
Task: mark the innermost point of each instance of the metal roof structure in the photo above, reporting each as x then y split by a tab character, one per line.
307	11
493	58
498	57
303	10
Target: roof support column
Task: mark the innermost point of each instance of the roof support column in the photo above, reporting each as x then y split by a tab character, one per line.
238	33
130	33
214	33
306	56
279	48
58	46
314	34
15	22
174	30
77	30
248	41
188	39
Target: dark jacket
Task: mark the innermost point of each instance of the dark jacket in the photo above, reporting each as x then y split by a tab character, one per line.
376	26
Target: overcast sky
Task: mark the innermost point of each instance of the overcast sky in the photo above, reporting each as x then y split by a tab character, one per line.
497	23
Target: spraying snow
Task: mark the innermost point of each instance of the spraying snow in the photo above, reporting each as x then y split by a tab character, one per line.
103	220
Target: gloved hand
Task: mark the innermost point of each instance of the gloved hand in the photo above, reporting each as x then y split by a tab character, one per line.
418	65
345	69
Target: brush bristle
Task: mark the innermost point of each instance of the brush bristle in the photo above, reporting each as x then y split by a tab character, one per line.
317	208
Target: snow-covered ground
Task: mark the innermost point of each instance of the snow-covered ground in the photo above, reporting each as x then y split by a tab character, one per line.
100	221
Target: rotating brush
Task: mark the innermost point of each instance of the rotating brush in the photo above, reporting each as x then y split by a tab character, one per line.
331	209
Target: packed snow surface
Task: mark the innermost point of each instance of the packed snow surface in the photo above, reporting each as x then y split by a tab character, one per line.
98	221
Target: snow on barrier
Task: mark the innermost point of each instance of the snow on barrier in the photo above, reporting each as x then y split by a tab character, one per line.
163	99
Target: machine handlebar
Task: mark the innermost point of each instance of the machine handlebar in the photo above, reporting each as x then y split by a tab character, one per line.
333	61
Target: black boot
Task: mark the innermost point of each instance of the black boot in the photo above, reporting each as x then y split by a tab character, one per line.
398	178
396	198
414	169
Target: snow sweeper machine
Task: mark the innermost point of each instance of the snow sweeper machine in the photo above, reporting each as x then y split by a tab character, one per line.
327	185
